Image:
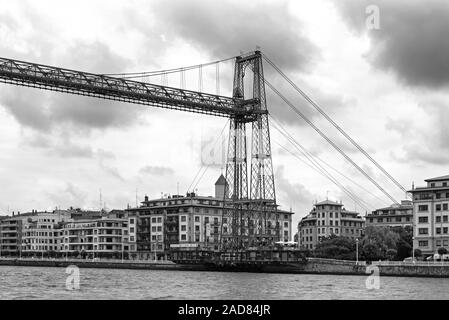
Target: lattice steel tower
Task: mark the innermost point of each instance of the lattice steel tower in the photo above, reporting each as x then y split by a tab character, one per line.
250	218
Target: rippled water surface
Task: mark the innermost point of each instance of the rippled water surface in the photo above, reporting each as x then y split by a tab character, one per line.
50	283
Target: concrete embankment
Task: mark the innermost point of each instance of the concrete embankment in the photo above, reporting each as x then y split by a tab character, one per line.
102	264
312	266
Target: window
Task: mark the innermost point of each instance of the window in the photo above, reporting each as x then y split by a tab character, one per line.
445	207
423	208
336	214
380	220
183	218
438	230
445	230
330	215
197	238
398	219
432	185
424	219
131	230
159	219
183	237
206	220
438	196
159	229
225	220
153	220
423	231
197	209
323	230
183	227
336	231
336	223
197	228
438	219
438	207
216	220
153	229
445	243
438	244
285	224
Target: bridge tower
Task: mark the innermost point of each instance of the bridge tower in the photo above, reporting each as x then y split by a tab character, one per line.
250	217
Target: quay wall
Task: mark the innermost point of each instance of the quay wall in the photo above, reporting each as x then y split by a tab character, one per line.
312	266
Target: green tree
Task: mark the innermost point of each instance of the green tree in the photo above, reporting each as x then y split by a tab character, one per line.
377	241
335	247
442	251
391	254
418	253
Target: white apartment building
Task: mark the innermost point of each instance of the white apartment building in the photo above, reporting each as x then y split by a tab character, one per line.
431	215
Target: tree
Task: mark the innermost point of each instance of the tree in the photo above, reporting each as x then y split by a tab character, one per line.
442	251
391	254
333	247
418	253
377	241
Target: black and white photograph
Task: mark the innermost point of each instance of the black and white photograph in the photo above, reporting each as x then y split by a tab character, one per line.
242	152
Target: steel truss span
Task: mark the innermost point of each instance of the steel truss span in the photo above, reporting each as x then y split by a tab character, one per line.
99	86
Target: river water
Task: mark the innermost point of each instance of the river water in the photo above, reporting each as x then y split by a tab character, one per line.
105	284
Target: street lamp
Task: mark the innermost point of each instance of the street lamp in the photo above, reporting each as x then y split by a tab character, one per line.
413	249
357	251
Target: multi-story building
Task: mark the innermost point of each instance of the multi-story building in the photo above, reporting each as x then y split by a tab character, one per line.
11	234
41	232
98	237
329	218
187	221
397	215
431	215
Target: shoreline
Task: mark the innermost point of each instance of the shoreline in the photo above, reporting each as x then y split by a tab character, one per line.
313	266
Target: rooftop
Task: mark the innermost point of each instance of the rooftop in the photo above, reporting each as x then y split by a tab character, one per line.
221	181
438	178
328	202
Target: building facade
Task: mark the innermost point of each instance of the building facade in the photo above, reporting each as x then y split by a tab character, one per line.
41	232
431	215
329	218
105	237
187	221
397	215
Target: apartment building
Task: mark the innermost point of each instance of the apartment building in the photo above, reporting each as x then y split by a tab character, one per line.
430	215
11	233
187	221
329	218
396	215
41	232
104	237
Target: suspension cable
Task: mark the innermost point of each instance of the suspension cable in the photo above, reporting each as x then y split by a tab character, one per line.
135	75
316	166
332	143
325	115
207	167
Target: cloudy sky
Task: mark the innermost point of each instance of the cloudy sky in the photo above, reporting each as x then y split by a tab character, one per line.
386	86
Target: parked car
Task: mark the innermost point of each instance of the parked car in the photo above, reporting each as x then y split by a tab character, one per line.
410	259
438	257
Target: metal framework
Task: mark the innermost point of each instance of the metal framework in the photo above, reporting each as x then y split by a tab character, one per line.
111	88
249	215
252	217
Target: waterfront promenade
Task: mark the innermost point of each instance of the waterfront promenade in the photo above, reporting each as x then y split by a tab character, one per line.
313	266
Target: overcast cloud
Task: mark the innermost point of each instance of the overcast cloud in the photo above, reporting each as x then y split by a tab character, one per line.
386	88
